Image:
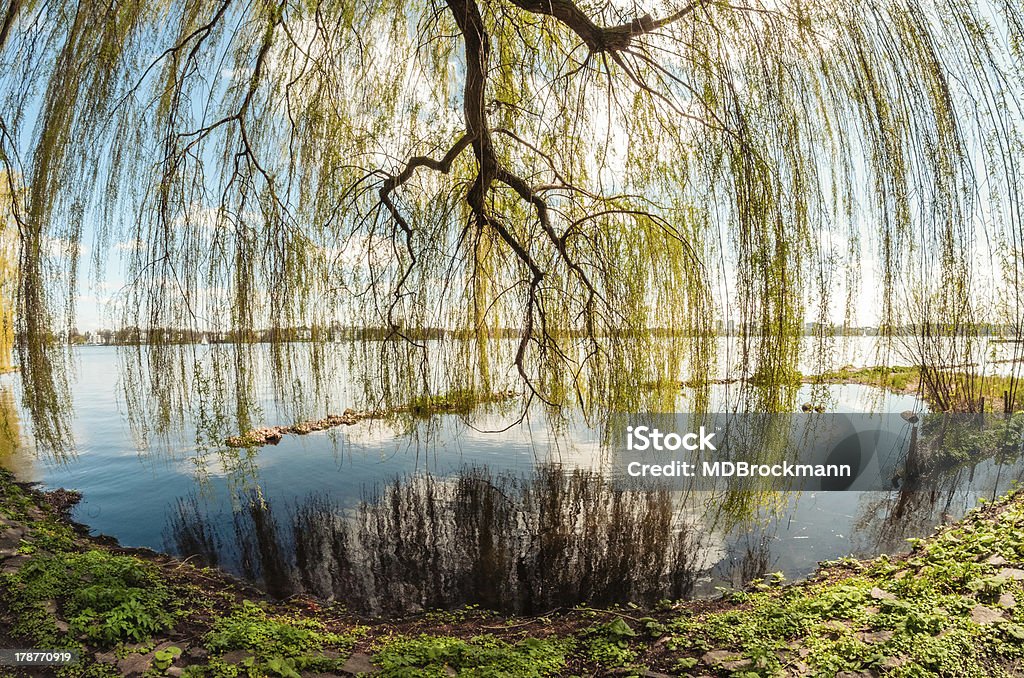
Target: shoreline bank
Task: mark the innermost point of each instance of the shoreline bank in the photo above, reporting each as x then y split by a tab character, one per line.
949	607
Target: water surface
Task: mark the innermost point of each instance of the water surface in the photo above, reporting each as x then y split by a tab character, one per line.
441	513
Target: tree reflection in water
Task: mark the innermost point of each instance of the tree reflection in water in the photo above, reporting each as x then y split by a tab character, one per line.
15	455
956	461
506	542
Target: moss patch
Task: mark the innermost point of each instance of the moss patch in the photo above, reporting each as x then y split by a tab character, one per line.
949	608
485	655
133	612
898	379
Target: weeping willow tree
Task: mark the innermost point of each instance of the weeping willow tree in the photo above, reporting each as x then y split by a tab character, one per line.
572	193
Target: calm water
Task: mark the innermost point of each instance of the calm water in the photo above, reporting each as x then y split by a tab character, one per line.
445	514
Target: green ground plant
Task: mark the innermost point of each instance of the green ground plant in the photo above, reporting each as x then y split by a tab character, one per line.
949	609
106	598
277	645
610	644
483	655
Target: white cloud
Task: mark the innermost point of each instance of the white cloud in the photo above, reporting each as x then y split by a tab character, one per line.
133	245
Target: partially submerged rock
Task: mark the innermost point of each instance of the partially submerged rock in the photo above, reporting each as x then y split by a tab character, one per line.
271	435
257	437
349	418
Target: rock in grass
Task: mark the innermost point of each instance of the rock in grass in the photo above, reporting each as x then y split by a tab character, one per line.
236	656
875	637
986	615
13	564
881	594
726	659
358	664
15	533
105	657
134	664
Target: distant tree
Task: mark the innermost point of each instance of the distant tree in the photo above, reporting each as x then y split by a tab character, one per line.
572	171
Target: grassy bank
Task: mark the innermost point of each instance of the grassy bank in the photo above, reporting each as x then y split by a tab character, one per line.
943	390
897	379
950	607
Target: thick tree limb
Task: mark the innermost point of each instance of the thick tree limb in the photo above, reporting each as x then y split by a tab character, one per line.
477	43
598	38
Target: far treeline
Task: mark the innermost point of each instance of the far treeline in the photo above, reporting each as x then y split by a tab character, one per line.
130	336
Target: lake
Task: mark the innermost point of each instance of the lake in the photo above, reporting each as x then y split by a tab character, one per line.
439	513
